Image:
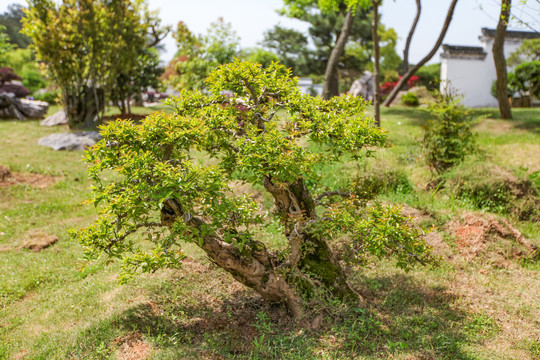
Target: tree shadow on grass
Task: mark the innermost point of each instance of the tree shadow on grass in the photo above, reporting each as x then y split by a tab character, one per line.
404	317
415	116
527	119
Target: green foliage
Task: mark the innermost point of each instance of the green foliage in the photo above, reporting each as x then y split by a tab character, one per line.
23	63
448	137
259	56
133	81
410	99
256	134
522	81
11	19
491	188
85	44
5	46
291	46
529	50
430	76
51	96
197	55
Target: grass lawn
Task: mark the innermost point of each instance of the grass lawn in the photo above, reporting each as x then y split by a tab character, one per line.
481	304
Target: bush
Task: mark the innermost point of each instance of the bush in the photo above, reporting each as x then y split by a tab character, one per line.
495	189
429	76
410	99
53	97
523	81
448	137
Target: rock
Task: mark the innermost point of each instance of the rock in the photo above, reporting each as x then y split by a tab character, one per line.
71	141
34	109
21	109
58	118
364	86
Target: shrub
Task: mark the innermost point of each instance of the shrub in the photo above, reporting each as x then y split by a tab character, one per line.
429	76
448	137
166	193
495	189
409	99
51	96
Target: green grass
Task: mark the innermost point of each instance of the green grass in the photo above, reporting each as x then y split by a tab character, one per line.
51	307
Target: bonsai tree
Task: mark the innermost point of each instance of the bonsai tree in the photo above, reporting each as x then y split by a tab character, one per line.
254	126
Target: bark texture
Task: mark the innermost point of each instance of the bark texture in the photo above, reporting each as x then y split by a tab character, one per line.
500	61
377	56
84	107
415	68
310	264
331	83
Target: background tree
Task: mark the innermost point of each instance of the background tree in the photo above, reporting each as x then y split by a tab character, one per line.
259	56
529	50
5	46
332	25
409	37
500	61
197	55
85	44
12	20
426	58
163	191
291	46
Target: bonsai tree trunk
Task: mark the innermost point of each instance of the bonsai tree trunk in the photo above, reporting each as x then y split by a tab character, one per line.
415	68
292	280
500	61
330	86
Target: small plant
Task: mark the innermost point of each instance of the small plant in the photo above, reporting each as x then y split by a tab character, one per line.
409	99
448	137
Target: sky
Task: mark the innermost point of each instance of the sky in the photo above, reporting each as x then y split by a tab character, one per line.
251	18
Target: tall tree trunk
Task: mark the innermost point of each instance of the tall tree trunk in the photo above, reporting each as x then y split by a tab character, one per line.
500	61
409	37
331	71
376	54
415	68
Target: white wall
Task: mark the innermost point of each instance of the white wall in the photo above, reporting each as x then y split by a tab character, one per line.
471	78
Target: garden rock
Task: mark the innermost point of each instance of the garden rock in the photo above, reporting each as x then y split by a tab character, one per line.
364	86
71	141
21	109
58	118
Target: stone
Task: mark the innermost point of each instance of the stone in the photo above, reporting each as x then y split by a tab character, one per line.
34	109
364	86
21	109
70	141
58	118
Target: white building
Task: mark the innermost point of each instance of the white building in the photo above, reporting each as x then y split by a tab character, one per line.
469	71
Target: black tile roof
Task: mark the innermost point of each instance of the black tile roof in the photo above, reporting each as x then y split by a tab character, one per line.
465	51
512	34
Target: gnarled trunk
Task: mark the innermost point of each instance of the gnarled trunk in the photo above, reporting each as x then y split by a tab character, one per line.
293	280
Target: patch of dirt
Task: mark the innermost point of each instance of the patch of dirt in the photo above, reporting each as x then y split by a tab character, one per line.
41	181
38	241
487	235
132	346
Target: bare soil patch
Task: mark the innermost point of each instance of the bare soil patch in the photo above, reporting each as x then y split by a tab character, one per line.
41	181
37	241
489	236
132	346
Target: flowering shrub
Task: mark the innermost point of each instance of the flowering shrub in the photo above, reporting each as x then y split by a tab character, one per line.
388	86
